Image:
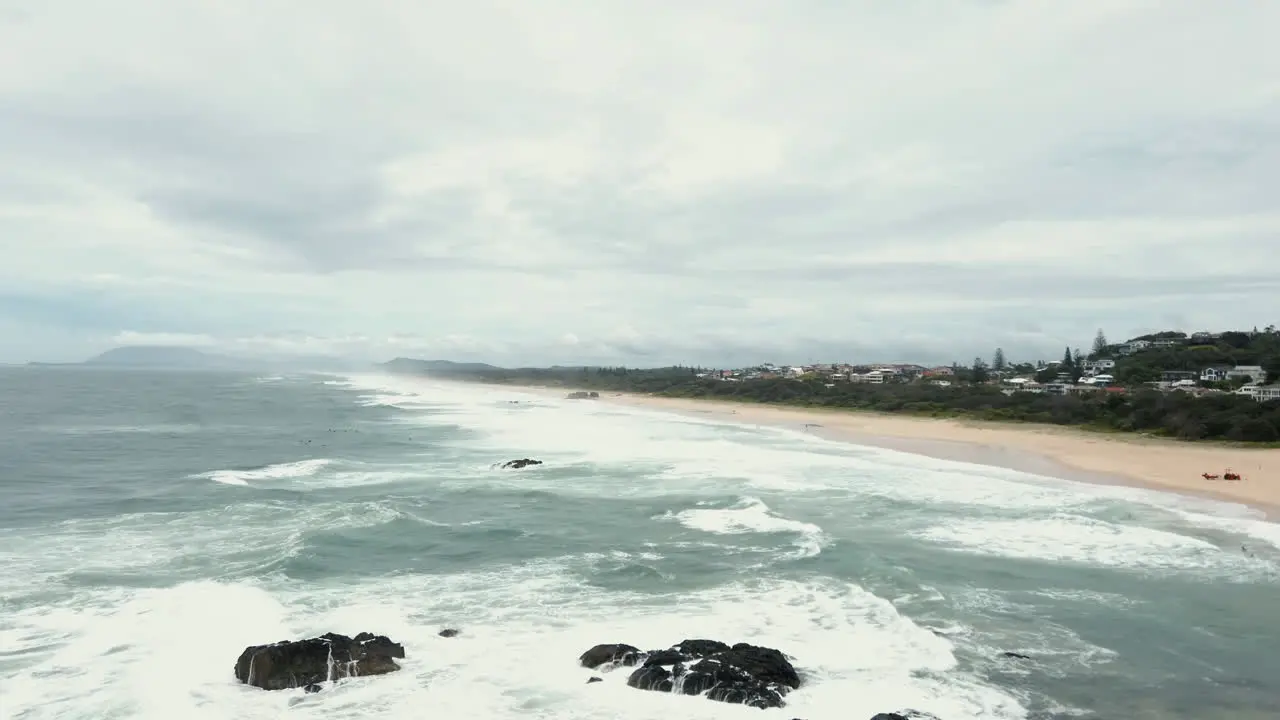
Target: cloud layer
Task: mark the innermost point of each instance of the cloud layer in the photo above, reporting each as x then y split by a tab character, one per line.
602	181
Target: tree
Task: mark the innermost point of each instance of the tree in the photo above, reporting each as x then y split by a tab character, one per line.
1272	366
1099	344
979	374
1068	362
998	362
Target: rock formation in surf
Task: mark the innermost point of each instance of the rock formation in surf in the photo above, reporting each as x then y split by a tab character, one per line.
906	715
306	663
747	674
449	632
522	462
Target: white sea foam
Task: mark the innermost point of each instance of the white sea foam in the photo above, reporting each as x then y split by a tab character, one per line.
168	652
1079	539
751	515
279	471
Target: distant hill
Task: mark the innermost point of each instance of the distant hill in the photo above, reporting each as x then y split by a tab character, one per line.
163	357
441	367
157	356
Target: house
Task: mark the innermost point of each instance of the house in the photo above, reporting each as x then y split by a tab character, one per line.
1254	373
1214	374
875	377
1173	376
1266	393
941	370
1204	338
1134	346
1164	343
1093	367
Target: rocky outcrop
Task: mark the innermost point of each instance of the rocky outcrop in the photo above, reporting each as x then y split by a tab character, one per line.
906	715
746	674
307	663
517	464
607	657
449	632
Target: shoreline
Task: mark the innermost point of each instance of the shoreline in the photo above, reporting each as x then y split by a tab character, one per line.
1067	453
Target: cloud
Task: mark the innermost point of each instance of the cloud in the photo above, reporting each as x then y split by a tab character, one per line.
609	182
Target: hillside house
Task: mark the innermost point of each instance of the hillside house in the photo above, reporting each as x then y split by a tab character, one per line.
1101	365
1173	376
1266	393
1251	373
1134	346
1214	374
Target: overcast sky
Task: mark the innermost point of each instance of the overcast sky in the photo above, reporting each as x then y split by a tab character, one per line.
723	181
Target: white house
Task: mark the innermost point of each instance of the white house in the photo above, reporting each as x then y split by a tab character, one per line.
1266	392
1254	373
1214	374
1093	367
1134	346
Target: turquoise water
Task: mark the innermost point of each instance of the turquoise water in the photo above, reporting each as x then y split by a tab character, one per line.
154	524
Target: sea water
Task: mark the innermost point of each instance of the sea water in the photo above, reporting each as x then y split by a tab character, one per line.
154	524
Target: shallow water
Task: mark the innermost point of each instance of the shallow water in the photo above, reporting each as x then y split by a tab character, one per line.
154	524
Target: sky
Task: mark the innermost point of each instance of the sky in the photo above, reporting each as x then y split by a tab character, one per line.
715	183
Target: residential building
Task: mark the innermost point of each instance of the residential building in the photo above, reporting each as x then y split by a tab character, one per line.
1202	338
1267	393
1172	376
1166	343
940	370
1254	373
1134	346
1214	374
1093	367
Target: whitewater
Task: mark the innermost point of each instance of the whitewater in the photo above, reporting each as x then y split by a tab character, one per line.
153	525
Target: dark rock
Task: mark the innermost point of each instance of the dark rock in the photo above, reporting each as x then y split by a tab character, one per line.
652	677
1015	656
293	664
522	462
906	715
746	674
312	688
613	655
700	648
594	679
667	657
448	633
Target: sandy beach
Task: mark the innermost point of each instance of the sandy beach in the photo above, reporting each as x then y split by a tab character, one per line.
1053	451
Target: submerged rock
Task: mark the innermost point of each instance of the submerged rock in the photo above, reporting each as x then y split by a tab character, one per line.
307	663
594	679
522	462
746	674
449	632
906	715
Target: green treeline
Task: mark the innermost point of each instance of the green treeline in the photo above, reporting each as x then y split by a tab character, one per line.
1173	414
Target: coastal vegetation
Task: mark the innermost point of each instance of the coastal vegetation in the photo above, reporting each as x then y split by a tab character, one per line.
1223	417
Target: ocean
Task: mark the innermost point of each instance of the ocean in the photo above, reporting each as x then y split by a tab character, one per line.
154	524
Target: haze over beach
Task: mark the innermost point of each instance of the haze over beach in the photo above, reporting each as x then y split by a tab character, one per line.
294	299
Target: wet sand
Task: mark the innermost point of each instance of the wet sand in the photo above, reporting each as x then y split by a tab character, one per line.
1128	459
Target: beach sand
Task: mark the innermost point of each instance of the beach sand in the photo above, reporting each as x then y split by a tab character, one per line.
1152	463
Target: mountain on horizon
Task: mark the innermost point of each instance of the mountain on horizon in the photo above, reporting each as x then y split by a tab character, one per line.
162	356
414	365
170	357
